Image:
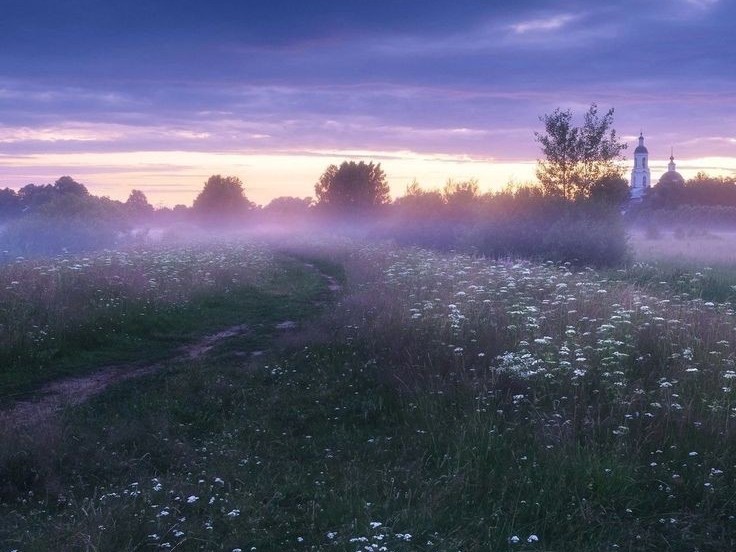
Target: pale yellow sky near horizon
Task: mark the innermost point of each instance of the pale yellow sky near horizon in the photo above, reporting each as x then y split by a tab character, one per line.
172	177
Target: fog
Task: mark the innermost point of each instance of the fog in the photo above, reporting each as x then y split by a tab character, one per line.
519	222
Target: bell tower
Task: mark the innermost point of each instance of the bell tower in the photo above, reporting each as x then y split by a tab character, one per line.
641	178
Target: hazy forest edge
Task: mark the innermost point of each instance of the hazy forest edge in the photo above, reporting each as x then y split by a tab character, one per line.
578	211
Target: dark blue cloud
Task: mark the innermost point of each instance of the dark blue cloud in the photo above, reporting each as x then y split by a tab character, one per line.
468	77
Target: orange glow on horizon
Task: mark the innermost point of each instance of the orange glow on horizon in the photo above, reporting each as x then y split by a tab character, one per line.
172	177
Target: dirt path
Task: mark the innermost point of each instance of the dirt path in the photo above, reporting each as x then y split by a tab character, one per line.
59	394
332	284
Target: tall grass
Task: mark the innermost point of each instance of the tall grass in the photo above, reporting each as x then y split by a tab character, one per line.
688	262
618	395
445	402
56	311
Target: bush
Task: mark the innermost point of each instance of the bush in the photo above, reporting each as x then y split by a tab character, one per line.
586	241
521	225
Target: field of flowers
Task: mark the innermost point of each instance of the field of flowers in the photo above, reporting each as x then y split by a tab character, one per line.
444	402
56	312
630	390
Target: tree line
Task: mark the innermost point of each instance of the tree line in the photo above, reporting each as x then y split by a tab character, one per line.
572	212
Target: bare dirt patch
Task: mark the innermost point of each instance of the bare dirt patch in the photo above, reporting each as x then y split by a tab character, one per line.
57	395
203	346
332	284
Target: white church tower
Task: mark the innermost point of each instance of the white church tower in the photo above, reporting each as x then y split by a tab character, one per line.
640	176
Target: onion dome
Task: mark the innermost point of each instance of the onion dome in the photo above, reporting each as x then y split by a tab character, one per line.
640	148
672	178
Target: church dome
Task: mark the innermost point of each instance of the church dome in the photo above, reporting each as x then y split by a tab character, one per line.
671	179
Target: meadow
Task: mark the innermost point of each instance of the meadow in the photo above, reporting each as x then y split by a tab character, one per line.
688	261
65	314
437	401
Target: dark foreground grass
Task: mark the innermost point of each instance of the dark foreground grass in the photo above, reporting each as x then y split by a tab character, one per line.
289	292
318	450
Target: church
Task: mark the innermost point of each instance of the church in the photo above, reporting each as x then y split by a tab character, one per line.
641	176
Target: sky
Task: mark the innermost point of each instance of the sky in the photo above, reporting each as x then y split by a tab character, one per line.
157	95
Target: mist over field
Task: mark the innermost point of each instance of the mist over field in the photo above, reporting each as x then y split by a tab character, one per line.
367	277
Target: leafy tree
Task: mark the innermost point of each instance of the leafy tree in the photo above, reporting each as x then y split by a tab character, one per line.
137	204
419	202
576	157
67	185
461	193
704	189
222	199
611	190
666	194
75	207
33	195
419	218
414	189
178	213
288	206
462	199
9	203
352	186
67	222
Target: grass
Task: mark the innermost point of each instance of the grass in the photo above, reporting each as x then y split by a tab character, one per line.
146	320
442	403
688	245
682	279
691	264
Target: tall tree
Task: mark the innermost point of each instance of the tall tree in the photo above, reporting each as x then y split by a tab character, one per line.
575	158
352	186
137	204
222	199
610	190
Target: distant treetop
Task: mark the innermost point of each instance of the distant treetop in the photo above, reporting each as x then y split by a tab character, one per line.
221	200
67	185
352	186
